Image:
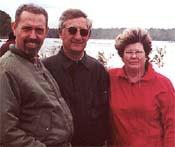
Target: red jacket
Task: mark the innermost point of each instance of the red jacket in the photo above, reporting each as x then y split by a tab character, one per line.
5	47
143	113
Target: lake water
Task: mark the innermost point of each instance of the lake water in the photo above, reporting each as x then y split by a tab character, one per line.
106	49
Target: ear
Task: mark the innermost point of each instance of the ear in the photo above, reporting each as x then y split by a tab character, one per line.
89	35
122	59
146	59
13	26
60	33
47	30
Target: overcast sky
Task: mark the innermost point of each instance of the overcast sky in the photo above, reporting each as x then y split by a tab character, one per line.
107	13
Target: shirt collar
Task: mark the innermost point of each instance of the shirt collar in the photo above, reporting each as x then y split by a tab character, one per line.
34	60
149	74
67	62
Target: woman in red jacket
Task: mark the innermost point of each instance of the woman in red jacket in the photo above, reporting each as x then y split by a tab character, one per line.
142	100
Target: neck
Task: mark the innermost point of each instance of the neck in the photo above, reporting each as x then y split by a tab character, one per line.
134	75
31	57
75	56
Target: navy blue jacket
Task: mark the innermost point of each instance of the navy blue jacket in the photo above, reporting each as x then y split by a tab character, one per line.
84	86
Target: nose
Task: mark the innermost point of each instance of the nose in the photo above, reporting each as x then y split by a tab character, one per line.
133	55
33	34
77	35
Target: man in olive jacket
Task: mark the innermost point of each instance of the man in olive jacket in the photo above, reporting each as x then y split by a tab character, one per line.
32	110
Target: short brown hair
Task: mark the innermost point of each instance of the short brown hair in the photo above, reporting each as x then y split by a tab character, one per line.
33	8
133	35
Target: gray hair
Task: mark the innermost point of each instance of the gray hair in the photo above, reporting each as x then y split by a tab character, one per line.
71	14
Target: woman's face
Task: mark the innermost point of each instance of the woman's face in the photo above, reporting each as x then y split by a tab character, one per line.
134	56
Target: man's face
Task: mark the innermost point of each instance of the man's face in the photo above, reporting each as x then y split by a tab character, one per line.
30	32
75	35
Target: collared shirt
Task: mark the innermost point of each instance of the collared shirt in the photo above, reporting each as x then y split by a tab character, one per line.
84	86
143	112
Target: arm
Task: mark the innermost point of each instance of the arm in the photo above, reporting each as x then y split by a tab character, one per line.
10	101
104	91
5	47
167	108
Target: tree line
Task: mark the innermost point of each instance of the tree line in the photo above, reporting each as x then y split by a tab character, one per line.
158	34
5	24
110	33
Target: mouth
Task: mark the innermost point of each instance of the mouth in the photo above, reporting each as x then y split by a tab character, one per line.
31	45
77	43
133	63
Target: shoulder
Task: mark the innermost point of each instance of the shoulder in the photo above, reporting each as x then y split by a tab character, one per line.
114	71
91	61
95	67
49	59
163	80
8	61
13	65
50	62
158	80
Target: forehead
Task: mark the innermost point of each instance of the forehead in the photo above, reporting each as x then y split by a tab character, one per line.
134	46
33	19
78	22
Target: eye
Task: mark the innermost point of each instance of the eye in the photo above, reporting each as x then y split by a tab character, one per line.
39	30
139	52
26	29
72	30
129	52
84	32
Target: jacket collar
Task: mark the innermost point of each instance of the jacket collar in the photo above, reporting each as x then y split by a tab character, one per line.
149	74
67	62
34	60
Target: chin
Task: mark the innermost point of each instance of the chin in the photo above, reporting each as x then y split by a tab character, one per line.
32	52
134	67
77	52
77	49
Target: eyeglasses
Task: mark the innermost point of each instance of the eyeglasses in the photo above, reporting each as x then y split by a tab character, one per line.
73	31
137	53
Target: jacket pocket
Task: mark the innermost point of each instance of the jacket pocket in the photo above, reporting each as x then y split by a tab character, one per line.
42	124
97	105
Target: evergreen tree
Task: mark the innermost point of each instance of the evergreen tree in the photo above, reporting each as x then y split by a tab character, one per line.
5	24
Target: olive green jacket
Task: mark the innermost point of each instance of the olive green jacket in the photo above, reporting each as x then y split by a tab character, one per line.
32	111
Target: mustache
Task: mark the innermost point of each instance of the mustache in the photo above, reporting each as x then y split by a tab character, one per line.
32	41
